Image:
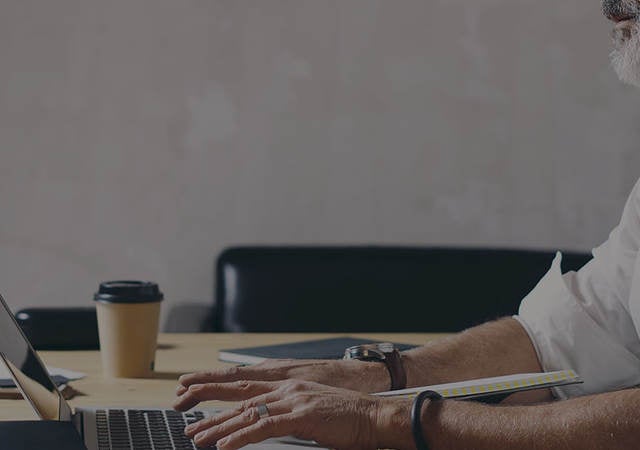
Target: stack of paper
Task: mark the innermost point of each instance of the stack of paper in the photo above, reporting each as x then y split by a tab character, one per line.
60	376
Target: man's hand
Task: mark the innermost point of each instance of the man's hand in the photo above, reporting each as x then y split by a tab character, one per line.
350	374
333	417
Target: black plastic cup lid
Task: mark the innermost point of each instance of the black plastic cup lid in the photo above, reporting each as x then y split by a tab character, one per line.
128	292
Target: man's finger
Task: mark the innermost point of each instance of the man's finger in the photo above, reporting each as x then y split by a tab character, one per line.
238	390
248	419
270	427
226	375
208	422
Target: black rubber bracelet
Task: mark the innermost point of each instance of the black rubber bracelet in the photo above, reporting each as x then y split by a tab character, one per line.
416	423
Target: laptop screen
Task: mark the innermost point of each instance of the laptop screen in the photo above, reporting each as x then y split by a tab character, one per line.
27	369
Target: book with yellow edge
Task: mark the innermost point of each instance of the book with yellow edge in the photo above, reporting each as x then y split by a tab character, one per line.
486	387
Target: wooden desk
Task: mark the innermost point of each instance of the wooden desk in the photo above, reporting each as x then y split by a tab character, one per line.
177	354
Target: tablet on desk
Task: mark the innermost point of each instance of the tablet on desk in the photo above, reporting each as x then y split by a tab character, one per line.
330	348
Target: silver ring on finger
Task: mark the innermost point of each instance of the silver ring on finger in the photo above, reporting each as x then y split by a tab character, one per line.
263	411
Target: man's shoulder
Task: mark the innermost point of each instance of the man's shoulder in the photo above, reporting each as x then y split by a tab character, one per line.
633	202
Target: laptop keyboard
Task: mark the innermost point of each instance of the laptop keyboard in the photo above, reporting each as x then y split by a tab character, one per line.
126	429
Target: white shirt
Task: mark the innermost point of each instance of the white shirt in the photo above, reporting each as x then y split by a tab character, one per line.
589	320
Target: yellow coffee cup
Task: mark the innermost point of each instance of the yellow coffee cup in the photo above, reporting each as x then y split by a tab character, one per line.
128	318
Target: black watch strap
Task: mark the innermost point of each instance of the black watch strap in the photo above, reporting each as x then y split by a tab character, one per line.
393	361
383	352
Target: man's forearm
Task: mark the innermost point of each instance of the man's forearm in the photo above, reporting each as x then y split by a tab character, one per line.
610	421
604	421
492	349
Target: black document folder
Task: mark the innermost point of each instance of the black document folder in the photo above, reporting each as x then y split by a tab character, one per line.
40	435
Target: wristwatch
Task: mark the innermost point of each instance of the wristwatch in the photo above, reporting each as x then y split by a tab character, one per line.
386	353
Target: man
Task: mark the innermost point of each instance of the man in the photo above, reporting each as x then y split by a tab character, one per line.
588	321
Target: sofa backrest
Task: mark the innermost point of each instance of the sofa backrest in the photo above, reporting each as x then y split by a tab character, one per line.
385	289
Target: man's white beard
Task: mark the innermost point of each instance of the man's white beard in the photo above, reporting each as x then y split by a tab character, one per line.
626	57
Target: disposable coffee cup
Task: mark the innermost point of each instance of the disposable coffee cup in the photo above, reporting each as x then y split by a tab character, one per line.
128	317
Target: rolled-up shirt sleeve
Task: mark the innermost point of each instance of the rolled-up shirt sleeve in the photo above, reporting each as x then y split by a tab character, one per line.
565	336
584	320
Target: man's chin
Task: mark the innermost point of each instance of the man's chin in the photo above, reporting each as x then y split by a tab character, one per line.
626	56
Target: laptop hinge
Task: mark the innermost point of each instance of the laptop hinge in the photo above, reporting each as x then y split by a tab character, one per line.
78	422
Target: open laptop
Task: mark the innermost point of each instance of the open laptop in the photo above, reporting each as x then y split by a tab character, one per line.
101	428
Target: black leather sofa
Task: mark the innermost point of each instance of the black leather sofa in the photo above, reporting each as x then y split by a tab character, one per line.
385	289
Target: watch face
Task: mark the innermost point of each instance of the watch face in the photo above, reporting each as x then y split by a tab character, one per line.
385	347
369	352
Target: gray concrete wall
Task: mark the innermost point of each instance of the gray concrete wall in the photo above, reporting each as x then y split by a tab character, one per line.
139	137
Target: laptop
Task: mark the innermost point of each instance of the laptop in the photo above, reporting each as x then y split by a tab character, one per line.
102	428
